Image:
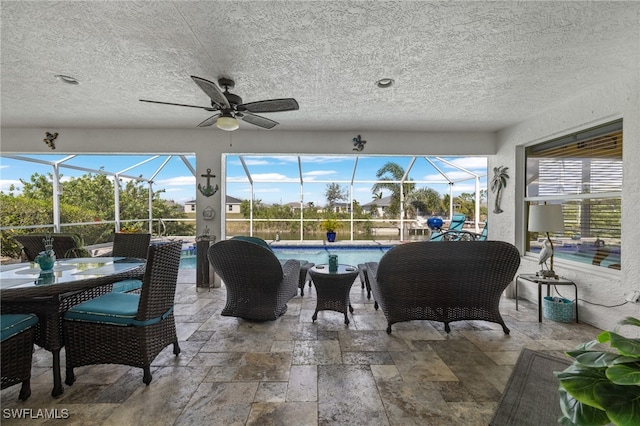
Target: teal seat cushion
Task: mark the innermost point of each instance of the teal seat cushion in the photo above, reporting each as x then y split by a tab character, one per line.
13	324
254	240
112	308
126	286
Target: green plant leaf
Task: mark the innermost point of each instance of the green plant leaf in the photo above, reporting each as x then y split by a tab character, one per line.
583	347
625	346
630	321
604	337
594	358
577	413
621	403
624	374
580	381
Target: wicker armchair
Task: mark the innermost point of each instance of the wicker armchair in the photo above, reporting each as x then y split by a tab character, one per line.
125	328
448	281
258	285
18	332
64	245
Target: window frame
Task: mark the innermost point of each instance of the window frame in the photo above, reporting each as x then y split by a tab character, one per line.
566	138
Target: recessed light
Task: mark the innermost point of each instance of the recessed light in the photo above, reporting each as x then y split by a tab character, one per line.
67	79
383	83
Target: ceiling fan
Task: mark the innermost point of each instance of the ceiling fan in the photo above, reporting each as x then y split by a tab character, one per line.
229	106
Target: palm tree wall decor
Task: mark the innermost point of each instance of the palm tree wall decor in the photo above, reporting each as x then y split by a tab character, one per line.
498	183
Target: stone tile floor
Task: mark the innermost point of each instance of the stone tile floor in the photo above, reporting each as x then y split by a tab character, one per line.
293	371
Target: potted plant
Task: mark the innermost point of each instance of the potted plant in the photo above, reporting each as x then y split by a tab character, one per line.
603	387
131	228
330	226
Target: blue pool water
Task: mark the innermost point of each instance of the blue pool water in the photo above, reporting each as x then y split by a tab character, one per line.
348	255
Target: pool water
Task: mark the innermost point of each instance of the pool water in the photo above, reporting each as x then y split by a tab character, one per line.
351	255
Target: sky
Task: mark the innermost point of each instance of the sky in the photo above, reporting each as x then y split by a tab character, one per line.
276	178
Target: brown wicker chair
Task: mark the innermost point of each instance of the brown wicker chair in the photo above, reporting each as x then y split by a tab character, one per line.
124	328
258	285
448	281
64	245
18	332
130	245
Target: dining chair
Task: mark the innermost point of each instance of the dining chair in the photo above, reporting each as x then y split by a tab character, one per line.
64	245
126	328
16	340
129	245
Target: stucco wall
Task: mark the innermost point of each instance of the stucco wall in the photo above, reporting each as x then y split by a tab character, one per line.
598	285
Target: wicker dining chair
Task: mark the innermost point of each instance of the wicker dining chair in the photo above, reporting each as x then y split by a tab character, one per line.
64	245
129	245
125	328
258	285
18	332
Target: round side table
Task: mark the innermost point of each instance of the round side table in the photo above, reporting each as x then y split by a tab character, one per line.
333	288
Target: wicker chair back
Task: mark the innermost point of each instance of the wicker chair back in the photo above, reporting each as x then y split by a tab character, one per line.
64	245
258	284
447	281
159	283
131	245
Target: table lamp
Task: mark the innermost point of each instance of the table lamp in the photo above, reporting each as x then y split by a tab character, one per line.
546	218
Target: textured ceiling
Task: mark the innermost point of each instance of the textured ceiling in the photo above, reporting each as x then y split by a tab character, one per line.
458	65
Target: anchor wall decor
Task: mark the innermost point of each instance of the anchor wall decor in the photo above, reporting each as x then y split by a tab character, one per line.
208	190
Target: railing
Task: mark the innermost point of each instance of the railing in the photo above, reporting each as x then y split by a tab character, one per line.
91	233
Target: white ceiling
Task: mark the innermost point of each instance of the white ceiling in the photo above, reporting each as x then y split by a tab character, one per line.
458	65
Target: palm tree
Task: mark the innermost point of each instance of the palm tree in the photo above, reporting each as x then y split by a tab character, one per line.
391	171
498	183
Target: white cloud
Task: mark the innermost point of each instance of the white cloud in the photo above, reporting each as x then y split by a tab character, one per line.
472	163
311	176
272	177
177	181
6	183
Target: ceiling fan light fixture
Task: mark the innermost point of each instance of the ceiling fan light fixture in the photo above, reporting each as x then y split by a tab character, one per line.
227	122
384	83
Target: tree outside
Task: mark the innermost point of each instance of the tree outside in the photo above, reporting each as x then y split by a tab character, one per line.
334	193
85	199
391	172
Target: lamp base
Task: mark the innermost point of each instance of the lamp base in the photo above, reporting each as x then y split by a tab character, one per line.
547	274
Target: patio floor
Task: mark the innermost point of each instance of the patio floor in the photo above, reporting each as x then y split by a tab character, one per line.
293	371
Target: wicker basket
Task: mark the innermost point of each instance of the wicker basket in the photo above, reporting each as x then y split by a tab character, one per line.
557	309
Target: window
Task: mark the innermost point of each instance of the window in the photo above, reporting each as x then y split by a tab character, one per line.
583	172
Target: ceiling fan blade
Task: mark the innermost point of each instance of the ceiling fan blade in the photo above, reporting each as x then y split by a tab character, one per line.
258	121
270	105
213	91
184	105
209	121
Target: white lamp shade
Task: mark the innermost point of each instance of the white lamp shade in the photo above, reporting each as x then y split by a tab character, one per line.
227	123
546	218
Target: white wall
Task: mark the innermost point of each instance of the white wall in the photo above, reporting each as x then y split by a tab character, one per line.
598	285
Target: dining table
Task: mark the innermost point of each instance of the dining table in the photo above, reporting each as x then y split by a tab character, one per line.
25	288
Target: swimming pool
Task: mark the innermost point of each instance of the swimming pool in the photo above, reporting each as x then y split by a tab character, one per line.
348	255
